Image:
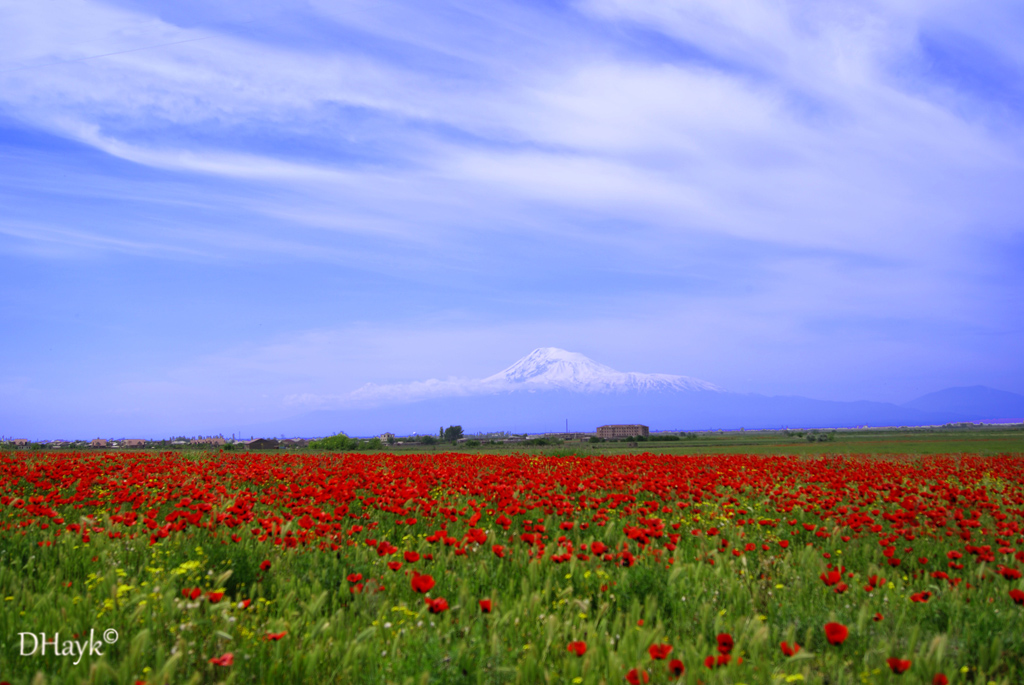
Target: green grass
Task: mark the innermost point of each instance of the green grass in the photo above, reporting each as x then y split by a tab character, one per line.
988	441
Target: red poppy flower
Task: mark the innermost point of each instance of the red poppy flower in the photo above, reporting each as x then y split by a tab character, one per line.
485	606
676	667
898	666
790	651
659	651
385	548
579	647
1017	596
840	588
215	597
412	557
498	550
394	565
265	565
725	643
920	596
274	637
244	604
783	544
355	577
877	617
422	583
832	577
940	679
637	676
598	547
836	633
437	605
192	593
225	659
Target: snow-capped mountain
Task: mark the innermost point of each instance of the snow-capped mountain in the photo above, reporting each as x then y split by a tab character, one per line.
551	368
552	389
544	369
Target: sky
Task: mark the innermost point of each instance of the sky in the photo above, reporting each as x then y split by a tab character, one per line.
217	213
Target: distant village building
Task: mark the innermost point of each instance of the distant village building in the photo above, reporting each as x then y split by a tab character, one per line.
622	431
387	437
263	444
19	442
567	436
133	442
98	442
215	440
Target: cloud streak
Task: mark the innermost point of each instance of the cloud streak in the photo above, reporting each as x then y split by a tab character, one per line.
792	131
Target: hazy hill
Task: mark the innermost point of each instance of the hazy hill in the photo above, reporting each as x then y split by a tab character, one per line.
973	403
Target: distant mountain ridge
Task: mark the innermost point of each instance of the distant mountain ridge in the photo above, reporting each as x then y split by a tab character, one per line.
550	388
974	403
544	369
551	368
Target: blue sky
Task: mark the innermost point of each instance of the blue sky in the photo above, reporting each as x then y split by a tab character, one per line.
218	213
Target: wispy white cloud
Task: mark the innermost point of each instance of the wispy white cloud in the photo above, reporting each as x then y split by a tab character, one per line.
60	241
794	132
372	394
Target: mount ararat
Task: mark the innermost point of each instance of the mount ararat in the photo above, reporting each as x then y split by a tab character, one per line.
551	387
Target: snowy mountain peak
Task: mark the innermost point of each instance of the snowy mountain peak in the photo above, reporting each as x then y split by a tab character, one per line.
546	368
551	364
554	368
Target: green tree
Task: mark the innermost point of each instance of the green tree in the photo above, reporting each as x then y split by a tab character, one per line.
337	442
452	434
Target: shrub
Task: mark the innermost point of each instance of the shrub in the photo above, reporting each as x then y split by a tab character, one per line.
339	442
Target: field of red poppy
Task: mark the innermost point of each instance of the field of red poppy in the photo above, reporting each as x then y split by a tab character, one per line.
451	568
